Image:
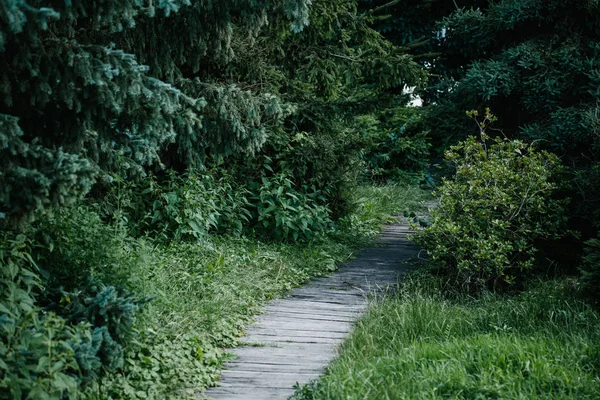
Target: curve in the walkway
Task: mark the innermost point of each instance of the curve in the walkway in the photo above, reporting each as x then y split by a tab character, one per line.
296	337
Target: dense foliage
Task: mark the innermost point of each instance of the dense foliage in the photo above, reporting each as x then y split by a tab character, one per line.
75	106
108	94
395	144
534	63
133	133
166	167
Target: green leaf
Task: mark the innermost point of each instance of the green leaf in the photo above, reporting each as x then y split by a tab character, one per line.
64	382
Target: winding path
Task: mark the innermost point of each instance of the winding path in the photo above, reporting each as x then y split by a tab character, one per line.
296	337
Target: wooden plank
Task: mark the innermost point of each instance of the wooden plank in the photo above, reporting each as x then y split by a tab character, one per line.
306	361
313	317
354	297
248	394
327	299
293	350
273	376
299	326
264	339
292	321
294	310
318	305
271	367
278	383
300	332
284	357
283	317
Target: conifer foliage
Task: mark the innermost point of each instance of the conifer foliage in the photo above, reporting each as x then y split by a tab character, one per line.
77	99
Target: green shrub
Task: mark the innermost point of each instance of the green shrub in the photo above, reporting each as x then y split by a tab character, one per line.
73	244
492	212
38	357
59	328
37	349
189	206
282	212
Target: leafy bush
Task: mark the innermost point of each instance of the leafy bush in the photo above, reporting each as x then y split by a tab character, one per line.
73	244
36	357
59	329
178	206
284	213
492	212
193	204
38	350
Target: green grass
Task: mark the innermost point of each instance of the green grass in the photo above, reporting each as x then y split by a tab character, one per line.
205	294
373	206
542	344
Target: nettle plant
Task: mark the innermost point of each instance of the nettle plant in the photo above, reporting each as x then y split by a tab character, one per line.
284	212
494	211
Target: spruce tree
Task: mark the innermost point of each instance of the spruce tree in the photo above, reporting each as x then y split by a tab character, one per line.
87	88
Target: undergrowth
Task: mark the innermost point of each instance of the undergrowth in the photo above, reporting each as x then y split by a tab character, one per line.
206	293
203	297
144	318
420	344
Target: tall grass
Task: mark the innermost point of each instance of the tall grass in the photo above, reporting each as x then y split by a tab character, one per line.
205	294
542	344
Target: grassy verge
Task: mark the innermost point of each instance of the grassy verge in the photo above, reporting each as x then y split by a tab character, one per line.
205	294
542	344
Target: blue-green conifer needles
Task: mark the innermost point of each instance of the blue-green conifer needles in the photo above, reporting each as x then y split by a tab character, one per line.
90	88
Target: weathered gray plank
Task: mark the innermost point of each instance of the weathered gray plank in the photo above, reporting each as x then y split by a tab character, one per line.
299	332
317	305
287	316
297	309
270	339
251	393
277	367
299	335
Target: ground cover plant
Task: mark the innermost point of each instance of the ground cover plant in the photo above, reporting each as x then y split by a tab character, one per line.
541	344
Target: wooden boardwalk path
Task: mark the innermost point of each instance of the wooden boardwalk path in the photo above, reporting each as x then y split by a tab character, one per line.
296	337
